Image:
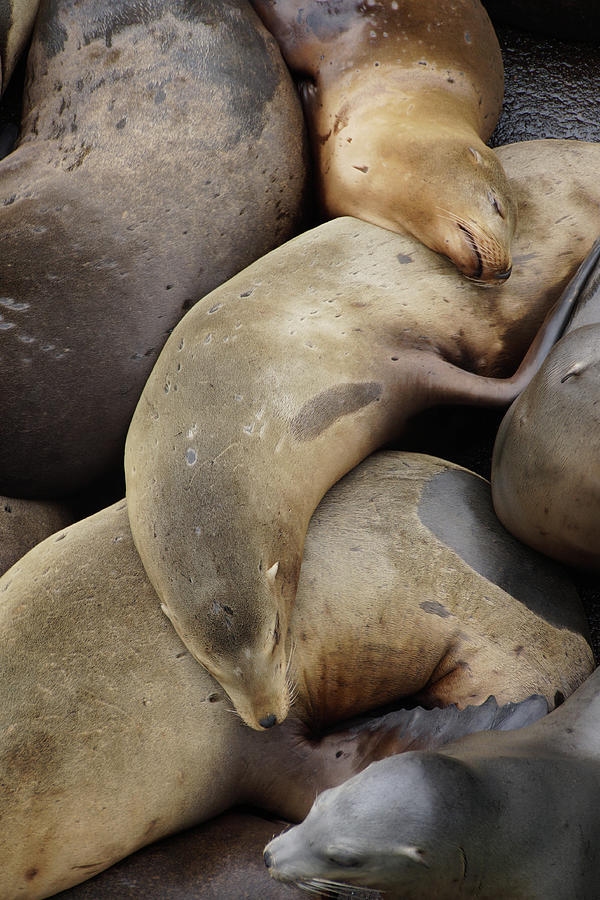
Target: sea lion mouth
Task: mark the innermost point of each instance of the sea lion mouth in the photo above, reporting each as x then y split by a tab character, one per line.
476	275
483	275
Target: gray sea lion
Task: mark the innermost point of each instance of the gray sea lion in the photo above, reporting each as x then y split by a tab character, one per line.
112	736
400	97
491	816
161	151
545	472
24	523
286	377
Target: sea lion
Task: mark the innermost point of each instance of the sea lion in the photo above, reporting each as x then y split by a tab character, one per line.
494	816
407	572
24	523
567	20
112	736
149	170
546	483
400	97
16	22
283	379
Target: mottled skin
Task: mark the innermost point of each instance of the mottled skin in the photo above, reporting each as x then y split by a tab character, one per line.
161	151
545	473
16	22
112	736
282	380
400	97
491	816
410	586
24	523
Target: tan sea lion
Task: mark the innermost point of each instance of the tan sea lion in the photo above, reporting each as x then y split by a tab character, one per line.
491	816
408	573
161	151
400	97
545	470
283	379
112	736
16	22
24	523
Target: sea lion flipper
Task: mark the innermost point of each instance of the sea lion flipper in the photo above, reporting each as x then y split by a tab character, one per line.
475	390
429	729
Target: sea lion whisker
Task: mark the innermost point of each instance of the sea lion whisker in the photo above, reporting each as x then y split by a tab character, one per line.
332	888
305	886
473	227
322	888
293	646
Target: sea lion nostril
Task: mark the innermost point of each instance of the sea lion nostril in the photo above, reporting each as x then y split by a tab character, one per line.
268	858
268	721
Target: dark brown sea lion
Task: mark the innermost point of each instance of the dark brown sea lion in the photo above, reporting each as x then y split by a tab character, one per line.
112	736
282	380
491	816
400	97
161	151
546	464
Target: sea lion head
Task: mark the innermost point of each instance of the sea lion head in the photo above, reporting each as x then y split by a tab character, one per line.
457	201
443	185
474	220
242	645
397	826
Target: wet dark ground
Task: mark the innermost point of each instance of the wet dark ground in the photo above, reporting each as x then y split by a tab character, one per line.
552	91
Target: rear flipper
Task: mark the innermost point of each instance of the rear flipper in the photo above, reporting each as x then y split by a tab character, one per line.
428	729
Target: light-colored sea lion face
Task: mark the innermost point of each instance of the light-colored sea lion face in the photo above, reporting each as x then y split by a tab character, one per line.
448	189
246	656
394	827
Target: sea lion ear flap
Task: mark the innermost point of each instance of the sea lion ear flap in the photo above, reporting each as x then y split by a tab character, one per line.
272	572
415	853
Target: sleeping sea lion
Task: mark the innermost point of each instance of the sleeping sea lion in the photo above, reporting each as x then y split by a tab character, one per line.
545	469
490	816
283	379
112	736
400	97
161	151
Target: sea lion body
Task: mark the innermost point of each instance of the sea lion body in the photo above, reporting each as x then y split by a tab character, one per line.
25	523
400	98
491	816
408	573
112	736
161	150
282	380
545	475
